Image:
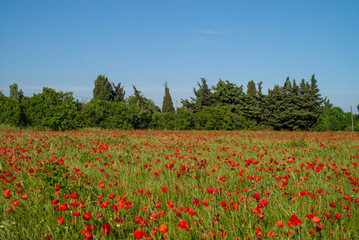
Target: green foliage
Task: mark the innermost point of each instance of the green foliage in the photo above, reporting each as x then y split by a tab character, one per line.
52	110
227	93
15	93
213	118
333	119
163	120
10	111
103	89
167	105
118	93
203	97
225	106
108	115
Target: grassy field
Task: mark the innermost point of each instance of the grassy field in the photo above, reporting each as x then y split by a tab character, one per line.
178	185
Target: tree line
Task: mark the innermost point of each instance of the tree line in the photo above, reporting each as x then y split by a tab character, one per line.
224	106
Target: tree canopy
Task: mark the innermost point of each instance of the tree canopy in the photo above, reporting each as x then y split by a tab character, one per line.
224	106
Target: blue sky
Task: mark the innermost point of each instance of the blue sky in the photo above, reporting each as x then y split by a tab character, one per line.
65	45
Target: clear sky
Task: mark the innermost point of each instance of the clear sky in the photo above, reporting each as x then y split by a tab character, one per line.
66	44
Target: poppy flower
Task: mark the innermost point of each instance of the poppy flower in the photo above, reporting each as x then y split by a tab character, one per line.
170	204
163	228
106	228
87	216
60	220
279	223
138	234
316	219
88	236
74	196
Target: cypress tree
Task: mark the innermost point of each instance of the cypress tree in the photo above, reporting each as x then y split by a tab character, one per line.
167	105
251	106
118	93
273	108
103	89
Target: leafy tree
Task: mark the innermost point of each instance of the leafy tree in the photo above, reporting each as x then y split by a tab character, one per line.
103	89
10	111
213	118
184	119
333	119
15	93
107	115
142	110
52	110
163	120
167	105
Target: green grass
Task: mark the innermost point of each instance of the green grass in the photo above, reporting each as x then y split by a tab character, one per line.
181	167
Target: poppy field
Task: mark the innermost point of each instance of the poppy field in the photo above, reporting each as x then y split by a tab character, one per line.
178	185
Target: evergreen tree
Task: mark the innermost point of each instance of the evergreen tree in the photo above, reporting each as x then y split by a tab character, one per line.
261	103
315	104
167	105
118	93
204	96
227	93
287	119
273	107
251	106
103	89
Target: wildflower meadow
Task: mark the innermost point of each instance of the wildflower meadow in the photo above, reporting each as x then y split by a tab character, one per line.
92	184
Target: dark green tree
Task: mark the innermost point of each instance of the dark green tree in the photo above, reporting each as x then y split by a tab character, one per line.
227	93
273	107
103	89
118	93
142	110
251	105
203	96
167	105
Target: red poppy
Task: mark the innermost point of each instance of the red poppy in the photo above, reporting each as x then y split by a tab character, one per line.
87	216
138	234
163	228
316	219
279	223
106	228
74	196
88	236
170	204
61	220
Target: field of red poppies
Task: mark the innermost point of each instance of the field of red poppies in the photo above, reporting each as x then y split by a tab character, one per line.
178	185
